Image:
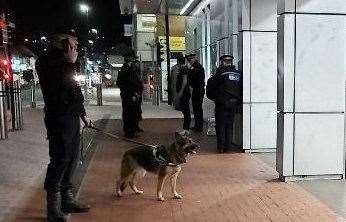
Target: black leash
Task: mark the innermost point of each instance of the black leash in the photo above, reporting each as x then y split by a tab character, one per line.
120	138
159	158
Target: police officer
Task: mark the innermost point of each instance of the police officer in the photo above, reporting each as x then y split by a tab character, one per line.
63	109
225	89
197	83
183	94
131	88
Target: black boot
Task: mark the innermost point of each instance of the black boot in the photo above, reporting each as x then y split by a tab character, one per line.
54	213
70	205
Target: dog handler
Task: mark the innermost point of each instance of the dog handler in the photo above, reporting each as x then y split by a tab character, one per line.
63	110
225	89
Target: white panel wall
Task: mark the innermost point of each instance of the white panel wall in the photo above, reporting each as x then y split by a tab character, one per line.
249	28
257	51
312	6
311	88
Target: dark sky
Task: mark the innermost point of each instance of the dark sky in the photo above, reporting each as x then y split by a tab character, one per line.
34	18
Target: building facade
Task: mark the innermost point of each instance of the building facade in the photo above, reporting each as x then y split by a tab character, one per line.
293	59
247	30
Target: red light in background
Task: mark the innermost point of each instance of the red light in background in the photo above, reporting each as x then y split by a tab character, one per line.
5	62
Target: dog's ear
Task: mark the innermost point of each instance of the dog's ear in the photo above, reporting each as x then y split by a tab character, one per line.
178	137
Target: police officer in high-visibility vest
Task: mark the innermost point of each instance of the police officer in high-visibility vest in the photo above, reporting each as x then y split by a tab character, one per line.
225	89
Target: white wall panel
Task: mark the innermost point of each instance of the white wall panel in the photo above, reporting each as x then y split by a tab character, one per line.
246	126
263	15
246	56
319	144
263	125
284	157
313	6
320	63
263	66
286	55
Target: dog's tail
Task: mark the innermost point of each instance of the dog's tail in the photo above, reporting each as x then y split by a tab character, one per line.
126	170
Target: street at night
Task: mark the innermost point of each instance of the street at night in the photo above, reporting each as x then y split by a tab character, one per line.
178	111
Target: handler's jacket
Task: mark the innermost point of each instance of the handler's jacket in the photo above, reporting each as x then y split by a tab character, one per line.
61	93
225	88
129	82
196	77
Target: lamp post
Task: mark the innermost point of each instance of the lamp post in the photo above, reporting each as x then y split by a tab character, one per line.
84	9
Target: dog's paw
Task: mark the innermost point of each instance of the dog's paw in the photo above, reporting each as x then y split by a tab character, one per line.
160	199
139	192
178	196
118	194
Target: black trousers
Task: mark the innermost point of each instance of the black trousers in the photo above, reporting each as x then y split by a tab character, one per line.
185	109
197	102
131	116
64	138
224	119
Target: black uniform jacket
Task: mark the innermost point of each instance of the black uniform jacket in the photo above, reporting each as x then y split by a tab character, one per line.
61	93
225	88
197	77
129	82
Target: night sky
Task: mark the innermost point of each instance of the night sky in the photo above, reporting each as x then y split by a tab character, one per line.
35	18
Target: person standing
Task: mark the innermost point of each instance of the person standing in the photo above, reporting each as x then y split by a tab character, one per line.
131	88
183	94
197	83
63	110
173	91
225	89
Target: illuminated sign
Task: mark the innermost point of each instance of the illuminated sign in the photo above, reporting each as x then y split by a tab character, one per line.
175	43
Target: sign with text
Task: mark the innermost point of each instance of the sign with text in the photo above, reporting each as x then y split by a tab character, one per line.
175	43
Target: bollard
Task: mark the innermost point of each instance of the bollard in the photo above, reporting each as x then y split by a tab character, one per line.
33	95
3	116
99	94
16	106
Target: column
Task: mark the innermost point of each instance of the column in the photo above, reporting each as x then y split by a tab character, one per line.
311	89
257	53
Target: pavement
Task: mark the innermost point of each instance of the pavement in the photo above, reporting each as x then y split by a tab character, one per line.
229	187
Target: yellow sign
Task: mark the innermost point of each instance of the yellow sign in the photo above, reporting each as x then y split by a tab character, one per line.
175	43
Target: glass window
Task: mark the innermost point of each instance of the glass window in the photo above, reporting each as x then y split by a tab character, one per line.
213	58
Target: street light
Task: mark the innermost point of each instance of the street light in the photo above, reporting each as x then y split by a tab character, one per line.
94	31
84	8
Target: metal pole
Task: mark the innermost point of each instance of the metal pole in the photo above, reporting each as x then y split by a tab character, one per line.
33	95
3	112
99	94
17	119
168	51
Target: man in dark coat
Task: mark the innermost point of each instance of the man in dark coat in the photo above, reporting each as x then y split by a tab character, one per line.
131	88
225	89
197	83
183	93
63	110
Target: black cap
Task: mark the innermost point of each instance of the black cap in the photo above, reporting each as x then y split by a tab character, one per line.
190	56
130	55
226	57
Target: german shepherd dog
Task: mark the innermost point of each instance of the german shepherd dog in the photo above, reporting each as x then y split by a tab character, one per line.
163	161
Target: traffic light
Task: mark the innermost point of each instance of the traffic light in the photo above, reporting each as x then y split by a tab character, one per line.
160	53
